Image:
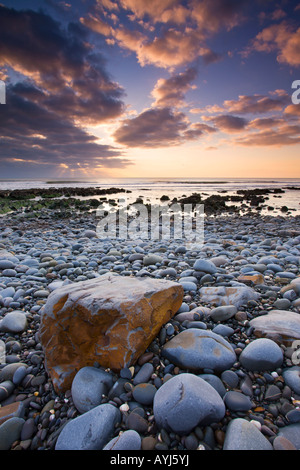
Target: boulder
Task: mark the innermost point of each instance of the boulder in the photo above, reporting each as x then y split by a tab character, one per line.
110	320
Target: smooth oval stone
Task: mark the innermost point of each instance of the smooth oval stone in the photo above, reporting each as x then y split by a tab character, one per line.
237	401
292	378
143	374
197	349
230	378
243	435
128	440
261	354
185	401
8	371
215	382
88	386
144	393
10	432
292	433
89	431
6	389
14	322
205	265
223	313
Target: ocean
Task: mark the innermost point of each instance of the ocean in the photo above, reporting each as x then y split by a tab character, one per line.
151	189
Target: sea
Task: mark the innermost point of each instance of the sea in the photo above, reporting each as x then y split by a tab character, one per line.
151	189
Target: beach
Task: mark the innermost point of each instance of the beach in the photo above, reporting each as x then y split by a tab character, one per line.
239	310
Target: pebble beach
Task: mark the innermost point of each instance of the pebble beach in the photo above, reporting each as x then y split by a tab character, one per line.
242	395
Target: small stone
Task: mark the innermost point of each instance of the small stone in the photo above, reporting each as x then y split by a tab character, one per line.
128	440
281	443
237	401
144	393
137	423
10	432
143	374
14	322
272	393
88	386
148	443
185	401
15	409
261	354
89	431
223	313
243	435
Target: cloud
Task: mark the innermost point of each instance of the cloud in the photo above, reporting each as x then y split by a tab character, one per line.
283	39
32	133
171	91
63	88
253	104
60	61
285	134
157	127
229	123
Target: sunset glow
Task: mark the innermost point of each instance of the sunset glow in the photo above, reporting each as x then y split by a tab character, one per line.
132	88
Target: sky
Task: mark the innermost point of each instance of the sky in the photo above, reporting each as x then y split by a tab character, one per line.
149	88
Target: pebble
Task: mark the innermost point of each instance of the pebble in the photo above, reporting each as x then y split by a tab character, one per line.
88	386
243	435
197	349
186	401
144	393
128	440
10	432
14	322
89	431
261	354
143	374
237	401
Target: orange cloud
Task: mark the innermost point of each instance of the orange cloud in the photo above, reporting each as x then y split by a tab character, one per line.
283	38
170	91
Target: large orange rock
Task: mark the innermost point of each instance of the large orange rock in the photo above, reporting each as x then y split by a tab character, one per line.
111	319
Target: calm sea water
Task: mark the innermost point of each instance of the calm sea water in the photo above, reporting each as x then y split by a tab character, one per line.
151	189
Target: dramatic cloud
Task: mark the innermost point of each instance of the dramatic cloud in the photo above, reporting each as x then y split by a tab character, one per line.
171	91
282	38
284	134
33	135
156	127
184	33
64	90
60	62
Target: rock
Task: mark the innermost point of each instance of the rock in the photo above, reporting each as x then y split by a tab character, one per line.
151	259
243	435
143	374
90	431
237	401
15	409
292	378
198	349
222	295
292	433
128	440
111	319
281	443
14	322
90	234
205	265
144	393
8	371
185	401
10	432
281	323
223	313
252	279
261	354
215	382
88	386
